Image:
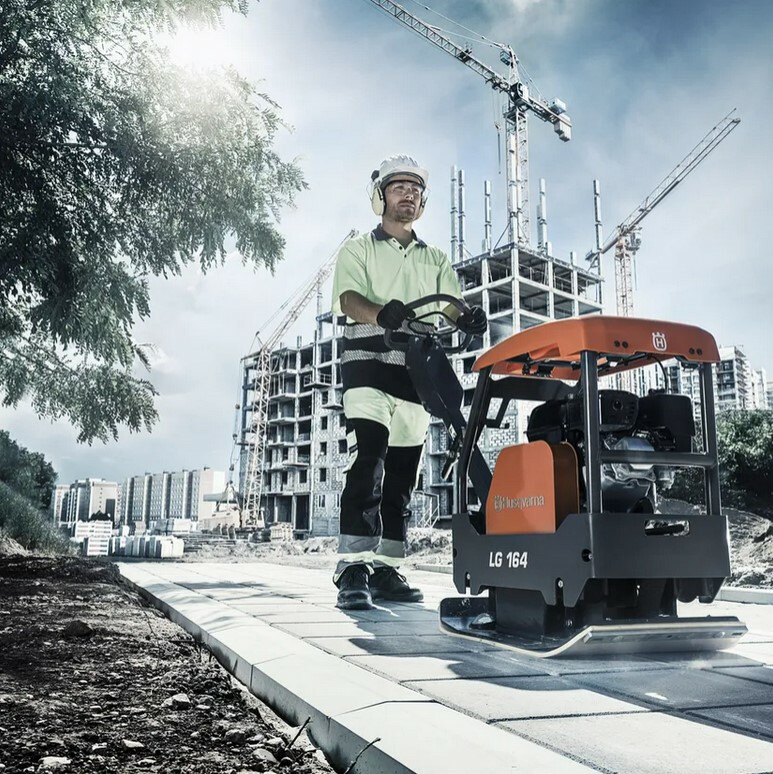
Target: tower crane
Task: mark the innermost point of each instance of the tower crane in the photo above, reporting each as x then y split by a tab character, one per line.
626	238
522	98
254	442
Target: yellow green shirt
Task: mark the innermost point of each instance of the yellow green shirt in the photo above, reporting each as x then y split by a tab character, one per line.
379	268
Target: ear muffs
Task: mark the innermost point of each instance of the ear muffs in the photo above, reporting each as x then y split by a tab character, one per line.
376	195
378	202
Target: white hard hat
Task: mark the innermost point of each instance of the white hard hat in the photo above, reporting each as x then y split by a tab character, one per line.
391	167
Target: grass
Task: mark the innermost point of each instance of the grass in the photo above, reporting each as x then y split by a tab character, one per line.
30	527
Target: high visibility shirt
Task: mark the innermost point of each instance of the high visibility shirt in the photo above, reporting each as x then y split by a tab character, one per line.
380	269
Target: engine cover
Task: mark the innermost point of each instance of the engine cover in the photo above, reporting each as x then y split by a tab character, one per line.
555	420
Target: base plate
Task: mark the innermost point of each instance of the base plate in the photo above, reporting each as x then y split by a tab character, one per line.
461	617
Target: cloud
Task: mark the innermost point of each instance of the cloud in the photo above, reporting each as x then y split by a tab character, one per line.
643	80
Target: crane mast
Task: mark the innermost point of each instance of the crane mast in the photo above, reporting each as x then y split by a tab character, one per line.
626	238
256	439
520	101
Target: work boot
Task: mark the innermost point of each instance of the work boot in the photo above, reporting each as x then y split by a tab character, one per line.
353	591
387	583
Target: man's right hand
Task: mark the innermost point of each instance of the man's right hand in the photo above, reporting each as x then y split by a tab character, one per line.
393	314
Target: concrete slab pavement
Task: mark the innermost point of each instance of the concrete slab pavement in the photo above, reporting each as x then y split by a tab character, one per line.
439	704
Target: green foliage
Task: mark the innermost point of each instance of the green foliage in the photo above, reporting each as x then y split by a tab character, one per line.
26	524
745	446
746	459
27	473
116	165
688	486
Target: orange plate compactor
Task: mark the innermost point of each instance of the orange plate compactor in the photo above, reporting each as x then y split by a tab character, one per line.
566	536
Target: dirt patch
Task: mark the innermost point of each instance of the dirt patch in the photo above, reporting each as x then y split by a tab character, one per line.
93	680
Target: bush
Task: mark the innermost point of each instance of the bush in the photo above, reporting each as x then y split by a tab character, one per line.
27	525
745	447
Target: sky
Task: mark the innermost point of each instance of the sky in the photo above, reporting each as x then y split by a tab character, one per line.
643	81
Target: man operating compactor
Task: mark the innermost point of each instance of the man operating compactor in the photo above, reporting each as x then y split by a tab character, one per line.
376	275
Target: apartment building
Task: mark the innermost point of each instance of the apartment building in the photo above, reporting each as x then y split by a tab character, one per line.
760	389
734	386
306	452
58	508
83	499
155	497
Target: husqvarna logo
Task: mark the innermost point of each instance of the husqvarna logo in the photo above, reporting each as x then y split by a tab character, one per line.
502	503
659	341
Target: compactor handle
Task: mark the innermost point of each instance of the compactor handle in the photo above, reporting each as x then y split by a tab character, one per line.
417	304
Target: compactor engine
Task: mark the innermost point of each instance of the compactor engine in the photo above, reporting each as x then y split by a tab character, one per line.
656	422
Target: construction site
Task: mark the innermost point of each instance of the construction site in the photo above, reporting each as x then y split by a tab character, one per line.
290	446
566	614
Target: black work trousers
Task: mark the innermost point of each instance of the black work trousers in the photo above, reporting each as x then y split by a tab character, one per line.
377	492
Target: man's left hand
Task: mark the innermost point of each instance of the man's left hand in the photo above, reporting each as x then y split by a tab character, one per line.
473	321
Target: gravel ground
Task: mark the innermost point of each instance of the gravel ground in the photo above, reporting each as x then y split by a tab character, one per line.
94	680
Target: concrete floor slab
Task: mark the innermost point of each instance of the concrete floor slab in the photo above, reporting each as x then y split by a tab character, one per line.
331	685
759	653
759	674
503	698
359	628
442	741
756	719
269	604
368	644
572	666
440	666
680	688
308	614
650	743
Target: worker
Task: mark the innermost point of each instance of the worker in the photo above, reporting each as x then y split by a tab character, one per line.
376	275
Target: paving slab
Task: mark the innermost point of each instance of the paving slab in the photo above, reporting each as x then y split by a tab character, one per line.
386	673
501	698
403	645
680	688
650	743
443	741
439	666
349	629
755	719
758	674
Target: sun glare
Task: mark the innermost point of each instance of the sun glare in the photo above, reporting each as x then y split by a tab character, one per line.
199	47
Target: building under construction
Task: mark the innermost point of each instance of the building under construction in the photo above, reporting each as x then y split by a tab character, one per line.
305	455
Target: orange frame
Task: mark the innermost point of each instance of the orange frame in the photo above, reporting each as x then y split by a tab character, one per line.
610	337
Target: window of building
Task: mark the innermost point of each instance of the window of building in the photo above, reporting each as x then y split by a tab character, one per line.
342	420
342	446
323	423
320	501
323	447
303	476
323	475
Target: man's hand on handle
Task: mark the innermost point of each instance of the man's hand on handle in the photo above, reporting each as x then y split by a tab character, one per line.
393	314
473	321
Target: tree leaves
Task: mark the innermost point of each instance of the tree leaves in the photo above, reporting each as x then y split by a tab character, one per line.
115	164
745	448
